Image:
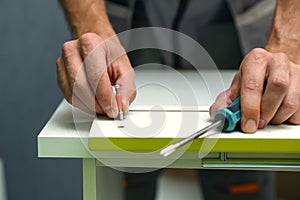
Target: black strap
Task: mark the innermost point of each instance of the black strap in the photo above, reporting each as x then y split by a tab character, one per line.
179	14
175	26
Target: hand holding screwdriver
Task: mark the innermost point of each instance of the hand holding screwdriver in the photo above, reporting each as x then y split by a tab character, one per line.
226	119
87	69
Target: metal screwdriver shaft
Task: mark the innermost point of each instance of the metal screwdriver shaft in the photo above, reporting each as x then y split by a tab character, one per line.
226	119
172	148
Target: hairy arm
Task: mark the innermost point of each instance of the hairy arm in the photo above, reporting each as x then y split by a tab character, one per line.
87	16
285	33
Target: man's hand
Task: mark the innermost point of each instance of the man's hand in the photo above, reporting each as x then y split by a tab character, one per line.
268	81
90	64
269	86
87	70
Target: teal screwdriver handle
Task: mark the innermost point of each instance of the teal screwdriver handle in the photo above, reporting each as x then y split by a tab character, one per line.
230	116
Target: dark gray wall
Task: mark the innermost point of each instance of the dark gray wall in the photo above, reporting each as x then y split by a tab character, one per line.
31	34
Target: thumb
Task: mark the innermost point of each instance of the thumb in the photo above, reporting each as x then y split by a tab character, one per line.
127	89
226	97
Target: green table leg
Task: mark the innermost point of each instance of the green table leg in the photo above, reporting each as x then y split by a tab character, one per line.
89	178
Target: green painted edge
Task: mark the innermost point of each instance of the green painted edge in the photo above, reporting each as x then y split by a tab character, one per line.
221	145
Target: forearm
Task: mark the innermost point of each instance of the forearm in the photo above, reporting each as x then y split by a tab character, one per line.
86	16
285	33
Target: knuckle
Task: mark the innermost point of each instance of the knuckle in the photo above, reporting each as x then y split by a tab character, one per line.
282	60
58	63
290	104
280	82
266	113
88	42
252	84
258	51
281	56
88	38
67	46
258	54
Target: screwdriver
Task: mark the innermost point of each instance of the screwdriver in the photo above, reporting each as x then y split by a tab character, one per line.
226	119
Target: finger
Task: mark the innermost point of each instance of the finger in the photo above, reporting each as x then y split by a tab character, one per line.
80	105
286	110
295	71
76	76
65	87
128	90
94	53
125	79
278	81
289	109
227	97
295	118
253	70
221	102
62	79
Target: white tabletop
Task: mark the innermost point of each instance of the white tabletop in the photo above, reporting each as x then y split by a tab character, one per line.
61	138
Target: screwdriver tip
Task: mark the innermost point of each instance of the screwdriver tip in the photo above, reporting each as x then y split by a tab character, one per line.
168	151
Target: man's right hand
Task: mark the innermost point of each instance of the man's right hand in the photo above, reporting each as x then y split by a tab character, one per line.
88	68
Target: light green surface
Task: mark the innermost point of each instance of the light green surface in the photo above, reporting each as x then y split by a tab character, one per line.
89	179
222	145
